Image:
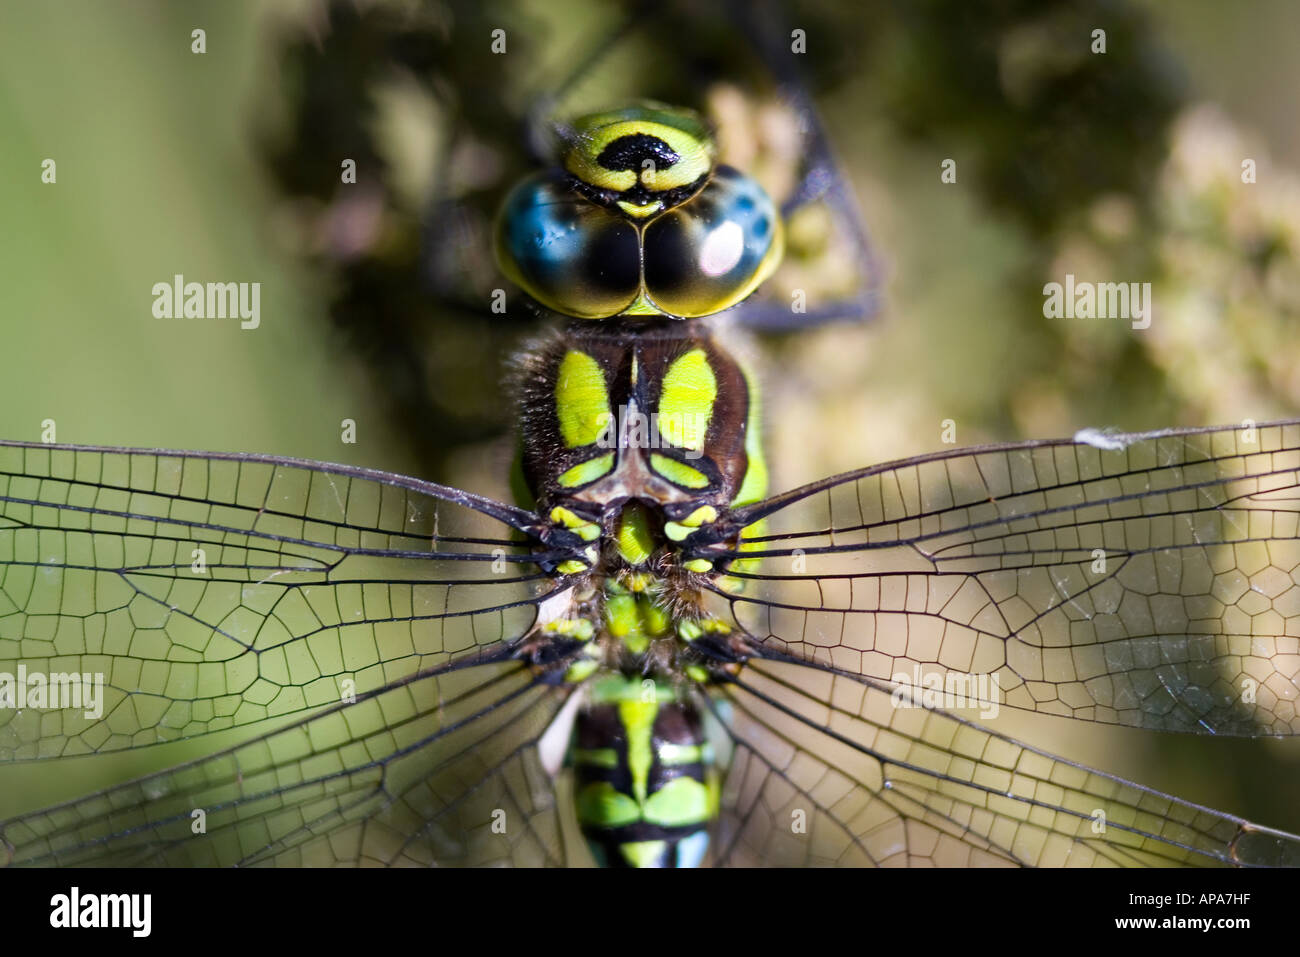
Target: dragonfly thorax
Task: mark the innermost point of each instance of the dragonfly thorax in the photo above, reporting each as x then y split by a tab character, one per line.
664	417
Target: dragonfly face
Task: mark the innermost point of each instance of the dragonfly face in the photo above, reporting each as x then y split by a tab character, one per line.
639	223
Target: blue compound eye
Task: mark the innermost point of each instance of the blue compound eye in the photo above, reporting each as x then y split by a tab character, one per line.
571	255
711	252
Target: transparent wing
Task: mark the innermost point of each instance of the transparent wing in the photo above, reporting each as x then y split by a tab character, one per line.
211	591
440	768
1150	580
834	770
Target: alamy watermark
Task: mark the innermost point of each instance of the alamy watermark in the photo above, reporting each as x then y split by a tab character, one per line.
1098	300
53	690
633	429
179	299
949	691
78	909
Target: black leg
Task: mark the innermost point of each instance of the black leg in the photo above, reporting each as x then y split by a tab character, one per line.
823	181
764	315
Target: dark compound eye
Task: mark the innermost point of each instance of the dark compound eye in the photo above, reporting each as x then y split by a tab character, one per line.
567	253
710	253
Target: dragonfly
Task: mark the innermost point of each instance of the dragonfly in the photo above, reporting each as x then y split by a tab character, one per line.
649	660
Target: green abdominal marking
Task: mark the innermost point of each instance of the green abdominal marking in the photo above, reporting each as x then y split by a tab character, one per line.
646	785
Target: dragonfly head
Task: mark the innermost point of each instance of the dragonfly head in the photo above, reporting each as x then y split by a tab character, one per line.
641	159
639	221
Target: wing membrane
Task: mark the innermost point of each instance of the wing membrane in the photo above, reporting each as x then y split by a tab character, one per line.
439	768
211	591
830	770
1149	580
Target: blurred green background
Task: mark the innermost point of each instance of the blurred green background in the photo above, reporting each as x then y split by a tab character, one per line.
224	166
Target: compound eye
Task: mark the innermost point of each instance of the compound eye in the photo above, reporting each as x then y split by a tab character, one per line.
711	252
566	252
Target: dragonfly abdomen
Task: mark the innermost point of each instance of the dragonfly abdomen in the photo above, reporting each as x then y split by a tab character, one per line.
646	784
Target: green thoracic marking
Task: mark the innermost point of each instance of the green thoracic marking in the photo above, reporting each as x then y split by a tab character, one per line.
581	399
678	472
679	531
703	514
581	670
579	628
655	618
624	622
634	619
754	485
686	400
585	529
689	630
588	471
635	542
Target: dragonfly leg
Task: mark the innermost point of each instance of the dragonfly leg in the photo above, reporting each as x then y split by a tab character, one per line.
823	181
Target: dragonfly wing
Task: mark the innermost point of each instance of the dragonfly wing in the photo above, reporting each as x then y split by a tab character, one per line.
830	770
436	769
1148	580
213	591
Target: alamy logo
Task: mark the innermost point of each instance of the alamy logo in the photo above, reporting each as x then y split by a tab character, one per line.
179	299
949	691
59	689
633	429
129	911
1098	300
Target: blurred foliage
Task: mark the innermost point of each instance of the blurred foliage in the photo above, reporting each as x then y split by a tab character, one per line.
352	73
1050	124
1226	272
